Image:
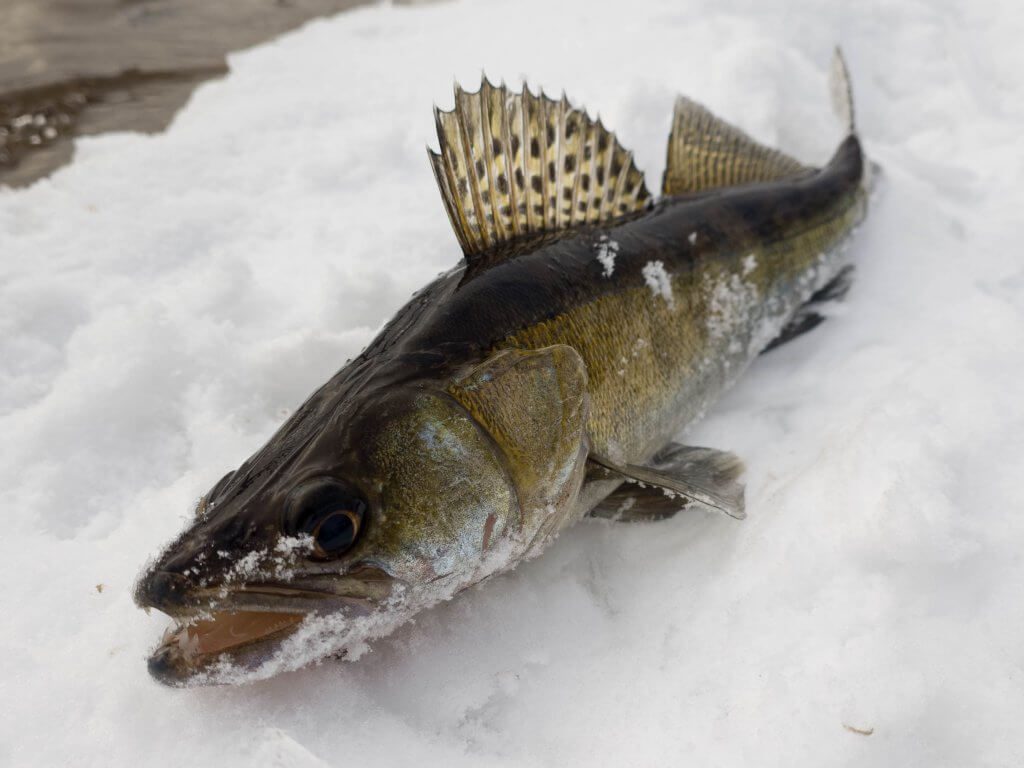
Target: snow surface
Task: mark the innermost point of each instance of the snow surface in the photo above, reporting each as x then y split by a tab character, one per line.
165	300
658	281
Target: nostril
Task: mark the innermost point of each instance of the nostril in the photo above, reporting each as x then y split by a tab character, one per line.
161	588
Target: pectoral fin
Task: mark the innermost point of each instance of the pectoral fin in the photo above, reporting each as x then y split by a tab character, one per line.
701	475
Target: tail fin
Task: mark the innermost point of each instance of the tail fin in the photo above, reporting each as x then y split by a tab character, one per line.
842	105
842	93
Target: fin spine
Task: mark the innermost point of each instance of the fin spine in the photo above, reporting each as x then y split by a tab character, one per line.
488	148
462	99
506	138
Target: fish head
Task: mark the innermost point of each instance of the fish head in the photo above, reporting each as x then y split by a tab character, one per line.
393	503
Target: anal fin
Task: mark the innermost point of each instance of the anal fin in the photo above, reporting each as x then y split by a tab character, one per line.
811	314
700	475
629	503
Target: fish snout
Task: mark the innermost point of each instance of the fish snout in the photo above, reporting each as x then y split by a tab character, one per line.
166	665
161	589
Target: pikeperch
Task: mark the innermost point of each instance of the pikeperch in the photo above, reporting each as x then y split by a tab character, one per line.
539	381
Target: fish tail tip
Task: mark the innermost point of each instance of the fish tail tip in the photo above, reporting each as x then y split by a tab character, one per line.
841	91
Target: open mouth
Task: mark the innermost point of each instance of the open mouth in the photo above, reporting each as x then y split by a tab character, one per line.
227	630
243	626
247	625
190	645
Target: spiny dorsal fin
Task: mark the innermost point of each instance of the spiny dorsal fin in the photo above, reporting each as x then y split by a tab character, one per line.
515	164
705	152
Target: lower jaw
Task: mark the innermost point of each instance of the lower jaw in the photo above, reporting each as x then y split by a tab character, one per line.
189	648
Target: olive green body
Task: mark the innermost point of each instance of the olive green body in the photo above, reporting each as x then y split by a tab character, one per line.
698	286
739	262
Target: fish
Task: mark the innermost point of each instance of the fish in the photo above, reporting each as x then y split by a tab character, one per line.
540	381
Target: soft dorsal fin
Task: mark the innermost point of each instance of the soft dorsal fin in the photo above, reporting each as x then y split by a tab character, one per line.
705	152
515	164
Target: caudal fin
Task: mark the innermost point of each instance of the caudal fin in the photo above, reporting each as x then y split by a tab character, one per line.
842	105
842	92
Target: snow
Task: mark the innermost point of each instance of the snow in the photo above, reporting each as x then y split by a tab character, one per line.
658	281
607	250
166	300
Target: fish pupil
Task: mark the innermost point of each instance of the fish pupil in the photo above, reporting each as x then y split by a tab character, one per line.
336	532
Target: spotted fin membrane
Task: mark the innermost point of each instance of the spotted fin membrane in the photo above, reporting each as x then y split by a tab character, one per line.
512	165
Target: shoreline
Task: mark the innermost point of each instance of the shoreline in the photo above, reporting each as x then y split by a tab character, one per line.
68	71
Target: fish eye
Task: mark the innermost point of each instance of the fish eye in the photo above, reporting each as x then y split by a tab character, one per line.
335	533
330	513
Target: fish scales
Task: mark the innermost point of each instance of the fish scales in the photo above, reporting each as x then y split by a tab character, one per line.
654	366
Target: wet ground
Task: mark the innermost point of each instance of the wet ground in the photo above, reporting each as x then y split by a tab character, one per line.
69	67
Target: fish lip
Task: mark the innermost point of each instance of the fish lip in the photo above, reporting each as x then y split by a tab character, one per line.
185	599
169	665
263	599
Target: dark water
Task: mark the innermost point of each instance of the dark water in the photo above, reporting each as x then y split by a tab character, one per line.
73	67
